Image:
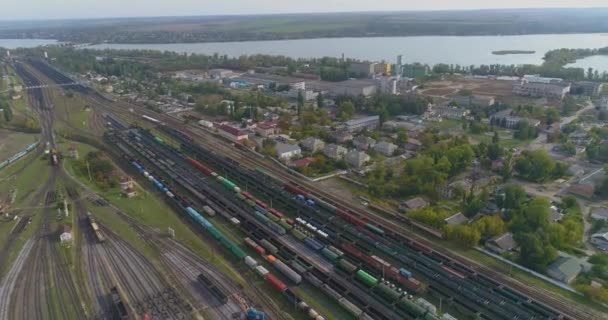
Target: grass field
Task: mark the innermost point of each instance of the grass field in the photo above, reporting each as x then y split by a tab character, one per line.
14	142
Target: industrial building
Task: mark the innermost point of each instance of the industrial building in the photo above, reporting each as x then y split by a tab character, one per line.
231	133
532	86
364	68
566	268
586	88
355	125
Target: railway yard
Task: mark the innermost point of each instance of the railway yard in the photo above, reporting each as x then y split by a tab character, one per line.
276	229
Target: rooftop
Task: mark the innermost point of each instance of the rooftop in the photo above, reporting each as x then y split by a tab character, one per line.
355	122
456	219
415	203
232	130
504	241
286	147
601	212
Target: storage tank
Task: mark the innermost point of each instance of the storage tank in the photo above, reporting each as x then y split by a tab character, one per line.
269	246
261	271
287	271
366	278
346	266
350	307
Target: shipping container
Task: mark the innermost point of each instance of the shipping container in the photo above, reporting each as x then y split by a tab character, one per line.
298	234
375	229
313	244
270	258
209	211
405	273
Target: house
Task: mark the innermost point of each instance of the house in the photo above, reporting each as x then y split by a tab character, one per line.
220	73
582	190
600	239
363	143
267	129
301	163
448	191
502	243
126	183
450	112
334	151
286	151
599	213
65	236
565	268
357	158
129	192
371	122
73	152
555	215
413	204
342	136
456	219
385	148
231	133
413	145
312	144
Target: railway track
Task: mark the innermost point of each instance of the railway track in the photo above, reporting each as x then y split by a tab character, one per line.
565	307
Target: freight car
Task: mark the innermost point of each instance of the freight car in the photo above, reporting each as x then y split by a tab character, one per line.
120	311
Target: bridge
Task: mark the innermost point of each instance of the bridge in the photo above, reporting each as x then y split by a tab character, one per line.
47	86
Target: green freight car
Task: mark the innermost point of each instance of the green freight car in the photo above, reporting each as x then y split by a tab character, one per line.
366	278
298	234
346	266
411	307
387	292
329	255
250	203
284	224
241	197
375	229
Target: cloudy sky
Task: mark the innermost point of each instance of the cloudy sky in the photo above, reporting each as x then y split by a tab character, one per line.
55	9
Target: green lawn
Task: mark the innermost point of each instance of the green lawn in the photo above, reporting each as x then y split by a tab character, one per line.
23	177
14	142
445	124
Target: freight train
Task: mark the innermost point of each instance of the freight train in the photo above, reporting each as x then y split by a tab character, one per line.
95	227
237	252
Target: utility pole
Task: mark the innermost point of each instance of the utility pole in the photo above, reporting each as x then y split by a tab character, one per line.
89	170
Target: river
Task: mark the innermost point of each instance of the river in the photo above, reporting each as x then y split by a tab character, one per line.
24	43
463	50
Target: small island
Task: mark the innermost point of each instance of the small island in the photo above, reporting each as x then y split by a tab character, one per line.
504	52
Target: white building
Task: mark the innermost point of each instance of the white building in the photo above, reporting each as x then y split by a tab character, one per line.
600	239
334	151
287	151
357	158
312	144
553	88
603	103
371	122
385	148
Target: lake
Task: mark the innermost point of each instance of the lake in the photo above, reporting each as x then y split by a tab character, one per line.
463	50
24	43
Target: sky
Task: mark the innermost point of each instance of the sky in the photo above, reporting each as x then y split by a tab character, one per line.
61	9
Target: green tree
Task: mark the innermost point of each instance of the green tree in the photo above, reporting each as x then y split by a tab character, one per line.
496	137
320	101
401	137
346	110
8	113
300	102
536	251
536	166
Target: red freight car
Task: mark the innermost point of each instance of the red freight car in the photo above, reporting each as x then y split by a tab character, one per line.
247	195
199	166
295	190
350	218
276	283
276	213
261	204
